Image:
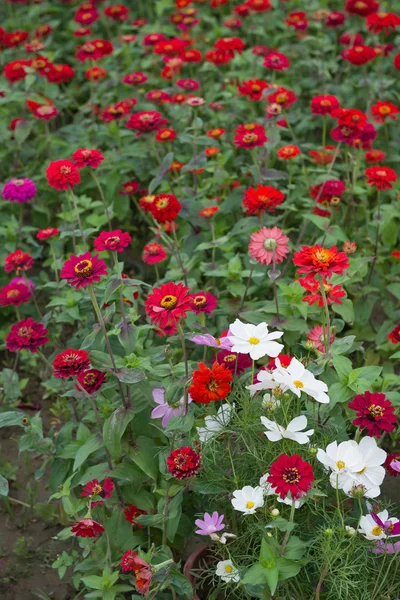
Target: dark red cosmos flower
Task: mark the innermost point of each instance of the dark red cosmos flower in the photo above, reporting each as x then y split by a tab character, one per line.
115	241
324	105
319	260
250	135
95	488
283	97
165	135
375	413
15	71
387	464
153	253
253	88
384	110
15	294
236	363
39	110
203	302
265	198
129	188
131	561
381	177
291	474
91	380
62	174
165	208
168	304
131	513
70	363
382	21
45	234
83	270
210	385
146	121
361	7
183	462
394	335
276	61
358	55
27	335
87	528
85	157
18	261
135	78
333	293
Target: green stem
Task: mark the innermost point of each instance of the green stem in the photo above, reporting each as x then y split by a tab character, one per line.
78	217
287	535
338	502
327	333
97	182
178	255
185	358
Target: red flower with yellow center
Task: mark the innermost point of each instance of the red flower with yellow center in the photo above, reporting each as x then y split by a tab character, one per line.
87	528
168	304
165	208
265	198
291	474
18	261
210	385
114	241
375	413
62	174
91	380
381	177
333	293
70	363
209	211
131	513
83	270
319	260
288	152
183	463
203	302
165	135
153	253
394	335
27	335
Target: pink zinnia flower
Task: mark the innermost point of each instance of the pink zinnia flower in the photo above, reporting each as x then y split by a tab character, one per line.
115	241
19	190
203	302
269	245
317	336
83	270
153	253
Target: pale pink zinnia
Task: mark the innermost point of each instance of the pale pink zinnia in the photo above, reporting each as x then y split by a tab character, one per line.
317	336
269	245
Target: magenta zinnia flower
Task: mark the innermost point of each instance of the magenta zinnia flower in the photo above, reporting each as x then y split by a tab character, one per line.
269	245
112	240
19	190
203	302
27	335
237	363
83	270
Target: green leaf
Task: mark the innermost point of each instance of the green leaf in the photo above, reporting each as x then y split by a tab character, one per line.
295	548
288	568
345	310
145	456
111	288
338	392
94	582
114	428
281	524
3	486
272	578
343	366
254	576
182	424
11	418
130	375
92	445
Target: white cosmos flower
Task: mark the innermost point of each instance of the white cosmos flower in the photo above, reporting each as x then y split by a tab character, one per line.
214	424
371	473
227	571
266	381
371	530
254	340
288	500
293	430
342	460
222	538
248	499
296	378
270	402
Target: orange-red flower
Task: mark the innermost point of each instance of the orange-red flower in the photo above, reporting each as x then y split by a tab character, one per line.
319	260
324	105
382	21
210	385
288	152
384	110
250	135
253	88
394	335
265	198
165	207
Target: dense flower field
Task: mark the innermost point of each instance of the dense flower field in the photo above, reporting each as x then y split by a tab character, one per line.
200	310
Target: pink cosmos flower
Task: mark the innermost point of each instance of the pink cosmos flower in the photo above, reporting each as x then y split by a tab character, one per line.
165	410
269	245
316	335
208	340
209	524
395	465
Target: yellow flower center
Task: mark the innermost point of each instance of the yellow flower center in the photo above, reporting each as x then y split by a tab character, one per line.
169	302
97	489
228	569
254	341
84	268
13	294
162	203
384	110
65	170
340	465
375	410
376	530
200	301
299	384
249	504
291	475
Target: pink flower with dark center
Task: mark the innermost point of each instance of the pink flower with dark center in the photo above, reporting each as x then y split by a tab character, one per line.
27	335
115	241
203	302
83	270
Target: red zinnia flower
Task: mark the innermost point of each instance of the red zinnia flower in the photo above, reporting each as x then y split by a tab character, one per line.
27	335
117	12
203	302
374	156
236	363
95	488
85	157
15	294
183	463
14	71
91	380
87	528
83	270
231	44
62	174
324	105
319	260
14	38
115	241
18	261
361	7
333	293
382	21
165	207
117	111
394	335
58	73
208	212
258	5
146	121
153	253
165	135
265	198
358	55
253	88
288	152
135	78
70	363
389	459
381	177
44	234
375	413
250	136
168	304
94	50
283	97
42	111
210	385
129	188
297	20
276	61
131	512
142	570
291	474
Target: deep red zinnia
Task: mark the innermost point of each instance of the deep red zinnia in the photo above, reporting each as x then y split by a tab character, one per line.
70	363
291	474
183	462
18	261
165	208
91	380
83	270
87	528
168	304
210	385
381	177
15	293
131	513
45	234
203	302
375	413
153	253
115	241
265	198
394	335
95	488
131	561
27	335
62	174
86	157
